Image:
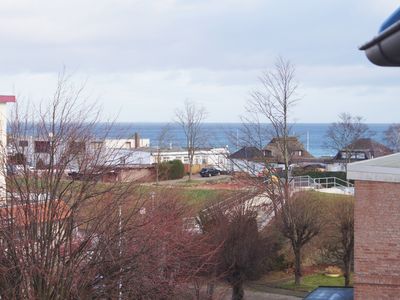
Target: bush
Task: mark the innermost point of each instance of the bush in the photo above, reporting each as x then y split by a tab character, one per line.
176	169
171	170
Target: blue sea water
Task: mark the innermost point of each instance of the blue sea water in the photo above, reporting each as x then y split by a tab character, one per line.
228	134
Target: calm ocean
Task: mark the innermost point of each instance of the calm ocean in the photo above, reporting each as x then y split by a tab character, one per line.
222	134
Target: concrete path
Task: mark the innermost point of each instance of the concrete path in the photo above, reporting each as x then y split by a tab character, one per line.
255	295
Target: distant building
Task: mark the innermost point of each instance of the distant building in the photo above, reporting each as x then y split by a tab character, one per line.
35	151
377	227
297	153
361	149
139	163
3	140
130	143
248	159
217	157
248	153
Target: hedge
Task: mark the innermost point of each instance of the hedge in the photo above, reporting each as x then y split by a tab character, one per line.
172	170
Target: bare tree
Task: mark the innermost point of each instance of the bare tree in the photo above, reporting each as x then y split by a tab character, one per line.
64	238
162	139
392	137
300	220
240	245
190	119
272	103
341	244
342	135
51	224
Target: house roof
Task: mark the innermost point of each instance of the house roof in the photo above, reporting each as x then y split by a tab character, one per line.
247	152
368	144
384	168
7	98
38	212
293	144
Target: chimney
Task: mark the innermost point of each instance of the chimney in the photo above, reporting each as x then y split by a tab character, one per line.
137	140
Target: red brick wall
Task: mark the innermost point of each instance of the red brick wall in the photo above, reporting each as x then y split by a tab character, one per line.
377	240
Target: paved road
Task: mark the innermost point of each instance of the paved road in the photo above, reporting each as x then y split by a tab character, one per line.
225	294
196	177
253	295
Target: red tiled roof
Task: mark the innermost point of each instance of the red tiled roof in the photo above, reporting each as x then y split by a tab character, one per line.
7	98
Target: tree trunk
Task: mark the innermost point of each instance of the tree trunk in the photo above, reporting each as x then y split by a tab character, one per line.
237	290
210	290
347	266
190	165
297	266
157	173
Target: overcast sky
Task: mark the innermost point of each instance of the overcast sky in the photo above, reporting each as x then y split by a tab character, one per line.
142	59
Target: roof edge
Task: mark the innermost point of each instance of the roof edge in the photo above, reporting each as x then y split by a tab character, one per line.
363	170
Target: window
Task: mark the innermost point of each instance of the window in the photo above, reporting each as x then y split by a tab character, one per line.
360	155
96	145
77	147
42	147
23	143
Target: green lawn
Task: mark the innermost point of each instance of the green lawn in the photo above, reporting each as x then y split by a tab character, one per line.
202	197
310	282
195	197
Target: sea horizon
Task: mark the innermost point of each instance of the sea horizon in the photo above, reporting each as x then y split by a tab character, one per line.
222	134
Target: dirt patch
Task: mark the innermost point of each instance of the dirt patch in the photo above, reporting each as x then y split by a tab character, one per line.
222	186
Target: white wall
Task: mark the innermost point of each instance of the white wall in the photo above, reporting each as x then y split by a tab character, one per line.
125	143
3	152
217	157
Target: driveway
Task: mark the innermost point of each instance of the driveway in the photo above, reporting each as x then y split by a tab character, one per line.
253	295
225	293
197	178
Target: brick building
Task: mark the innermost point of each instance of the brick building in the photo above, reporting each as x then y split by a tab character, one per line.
377	227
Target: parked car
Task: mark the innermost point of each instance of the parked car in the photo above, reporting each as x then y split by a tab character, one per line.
226	172
208	172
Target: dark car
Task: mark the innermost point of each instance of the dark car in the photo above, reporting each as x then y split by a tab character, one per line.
331	293
208	172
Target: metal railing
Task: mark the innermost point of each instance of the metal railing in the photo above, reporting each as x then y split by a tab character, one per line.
307	182
328	182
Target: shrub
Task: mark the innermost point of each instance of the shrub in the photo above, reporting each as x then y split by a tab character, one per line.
333	270
163	171
171	170
176	169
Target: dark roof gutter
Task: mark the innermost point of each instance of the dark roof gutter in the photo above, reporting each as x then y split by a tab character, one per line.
384	49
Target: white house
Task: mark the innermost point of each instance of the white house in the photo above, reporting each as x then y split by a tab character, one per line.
217	157
130	143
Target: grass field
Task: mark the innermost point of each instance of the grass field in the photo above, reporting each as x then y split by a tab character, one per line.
310	282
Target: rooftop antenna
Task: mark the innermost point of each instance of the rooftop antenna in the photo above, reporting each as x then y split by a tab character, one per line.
308	141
